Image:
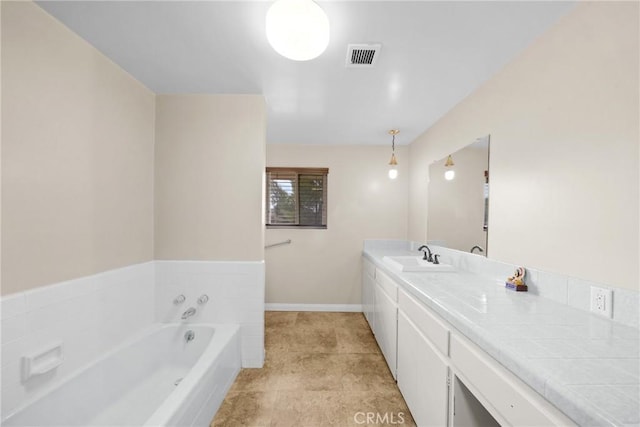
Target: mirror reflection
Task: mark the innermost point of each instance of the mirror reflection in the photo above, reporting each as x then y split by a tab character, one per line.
459	199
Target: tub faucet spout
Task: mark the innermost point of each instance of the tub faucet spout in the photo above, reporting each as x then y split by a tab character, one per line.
190	312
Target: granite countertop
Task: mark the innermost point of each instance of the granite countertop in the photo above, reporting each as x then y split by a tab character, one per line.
585	365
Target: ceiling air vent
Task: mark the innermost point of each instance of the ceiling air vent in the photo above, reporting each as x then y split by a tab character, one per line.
362	55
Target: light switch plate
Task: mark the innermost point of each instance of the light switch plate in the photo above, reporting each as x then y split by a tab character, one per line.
602	301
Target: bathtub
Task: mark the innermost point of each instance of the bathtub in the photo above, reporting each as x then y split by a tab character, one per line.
155	379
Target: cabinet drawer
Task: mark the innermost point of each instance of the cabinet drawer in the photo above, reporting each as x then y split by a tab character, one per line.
387	284
514	401
368	267
431	326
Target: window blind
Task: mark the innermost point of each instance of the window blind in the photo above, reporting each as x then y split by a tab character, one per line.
296	197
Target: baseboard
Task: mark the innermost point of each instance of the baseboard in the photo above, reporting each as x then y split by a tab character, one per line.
313	307
252	363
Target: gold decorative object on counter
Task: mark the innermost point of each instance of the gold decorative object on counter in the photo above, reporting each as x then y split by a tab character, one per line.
516	282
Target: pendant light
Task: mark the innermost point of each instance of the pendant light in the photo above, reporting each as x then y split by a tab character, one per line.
393	170
297	29
449	173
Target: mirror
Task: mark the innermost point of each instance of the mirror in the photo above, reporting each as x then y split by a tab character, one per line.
458	207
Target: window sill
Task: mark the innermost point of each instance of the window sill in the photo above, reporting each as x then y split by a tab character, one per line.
291	226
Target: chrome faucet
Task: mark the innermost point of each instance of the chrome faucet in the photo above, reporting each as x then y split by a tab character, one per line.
425	250
190	312
478	248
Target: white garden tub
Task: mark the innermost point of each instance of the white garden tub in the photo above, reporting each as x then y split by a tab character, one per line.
159	379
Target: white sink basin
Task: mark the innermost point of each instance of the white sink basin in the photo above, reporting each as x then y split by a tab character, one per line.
414	263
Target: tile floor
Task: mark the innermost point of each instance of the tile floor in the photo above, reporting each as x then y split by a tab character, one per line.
321	369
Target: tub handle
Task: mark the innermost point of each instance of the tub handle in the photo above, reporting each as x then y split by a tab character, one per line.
179	299
42	361
203	299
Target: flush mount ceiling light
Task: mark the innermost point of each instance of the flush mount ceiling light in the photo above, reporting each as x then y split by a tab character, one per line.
297	29
449	173
393	171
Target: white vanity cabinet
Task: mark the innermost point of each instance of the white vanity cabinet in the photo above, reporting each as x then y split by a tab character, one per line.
386	318
446	379
368	290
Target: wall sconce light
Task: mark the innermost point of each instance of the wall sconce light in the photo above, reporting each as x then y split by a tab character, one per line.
297	29
449	173
393	171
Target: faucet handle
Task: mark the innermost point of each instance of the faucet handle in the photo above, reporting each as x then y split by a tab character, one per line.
435	258
203	299
179	299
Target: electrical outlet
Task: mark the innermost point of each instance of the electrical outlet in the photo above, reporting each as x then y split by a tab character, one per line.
602	301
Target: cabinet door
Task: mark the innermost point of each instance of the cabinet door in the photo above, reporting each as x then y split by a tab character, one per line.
386	324
422	376
368	284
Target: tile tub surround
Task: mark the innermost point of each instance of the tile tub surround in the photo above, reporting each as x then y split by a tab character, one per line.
90	315
322	369
236	292
584	364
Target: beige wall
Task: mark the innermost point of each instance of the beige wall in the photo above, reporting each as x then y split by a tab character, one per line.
77	156
564	124
78	162
323	266
210	160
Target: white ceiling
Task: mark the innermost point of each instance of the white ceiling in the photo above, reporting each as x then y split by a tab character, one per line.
434	53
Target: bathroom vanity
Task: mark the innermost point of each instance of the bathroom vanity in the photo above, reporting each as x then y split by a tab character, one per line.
457	344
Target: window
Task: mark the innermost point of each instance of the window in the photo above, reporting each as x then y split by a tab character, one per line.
296	197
